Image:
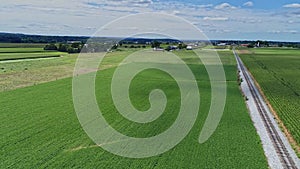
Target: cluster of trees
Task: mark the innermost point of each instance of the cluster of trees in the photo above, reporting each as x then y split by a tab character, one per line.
70	48
51	46
91	47
182	46
155	44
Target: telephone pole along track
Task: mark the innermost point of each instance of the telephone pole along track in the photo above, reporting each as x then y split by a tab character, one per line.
277	149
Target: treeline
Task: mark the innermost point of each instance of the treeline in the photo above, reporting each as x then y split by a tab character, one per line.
70	48
258	43
21	38
79	47
273	44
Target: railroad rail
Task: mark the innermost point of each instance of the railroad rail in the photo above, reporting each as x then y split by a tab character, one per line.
286	160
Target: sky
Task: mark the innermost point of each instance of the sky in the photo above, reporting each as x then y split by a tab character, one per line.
219	19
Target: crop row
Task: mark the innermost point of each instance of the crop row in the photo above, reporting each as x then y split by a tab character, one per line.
277	72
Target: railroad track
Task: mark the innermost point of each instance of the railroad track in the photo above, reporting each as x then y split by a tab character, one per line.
286	160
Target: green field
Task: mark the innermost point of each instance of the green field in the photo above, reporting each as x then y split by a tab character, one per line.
26	53
22	45
39	127
21	50
277	71
30	72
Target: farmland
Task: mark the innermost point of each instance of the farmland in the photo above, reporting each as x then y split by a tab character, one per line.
15	74
22	45
40	128
26	53
32	69
277	72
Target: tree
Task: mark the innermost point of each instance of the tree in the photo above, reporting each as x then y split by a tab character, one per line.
155	44
251	45
76	45
73	50
182	46
62	47
50	47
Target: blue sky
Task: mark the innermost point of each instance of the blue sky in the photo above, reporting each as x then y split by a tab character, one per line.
259	4
218	19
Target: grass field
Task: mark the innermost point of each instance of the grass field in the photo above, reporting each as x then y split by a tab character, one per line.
26	53
40	129
22	45
21	50
17	56
31	72
277	71
22	66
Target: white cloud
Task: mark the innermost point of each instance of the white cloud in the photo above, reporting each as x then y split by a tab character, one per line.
215	18
119	3
284	31
291	31
206	6
55	19
225	6
294	5
176	12
248	4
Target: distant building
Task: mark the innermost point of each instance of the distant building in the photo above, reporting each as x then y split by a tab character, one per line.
72	42
189	48
221	44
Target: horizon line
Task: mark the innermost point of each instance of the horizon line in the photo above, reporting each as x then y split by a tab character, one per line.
86	36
